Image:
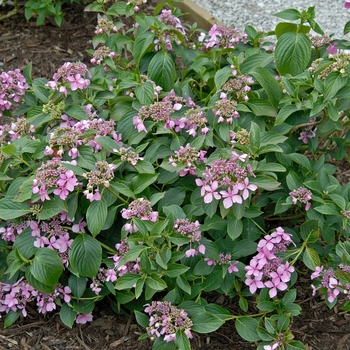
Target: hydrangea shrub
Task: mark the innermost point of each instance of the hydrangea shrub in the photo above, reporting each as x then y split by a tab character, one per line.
180	163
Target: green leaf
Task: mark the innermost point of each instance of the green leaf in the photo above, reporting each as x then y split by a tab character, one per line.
234	227
246	328
293	53
311	258
142	42
46	266
285	112
174	270
289	14
301	160
83	307
142	181
260	60
132	254
221	76
142	319
155	282
25	244
76	112
268	83
181	281
11	318
85	255
145	93
77	285
309	231
261	108
328	209
127	281
67	315
347	28
162	70
9	150
333	83
96	216
295	345
205	323
52	208
10	210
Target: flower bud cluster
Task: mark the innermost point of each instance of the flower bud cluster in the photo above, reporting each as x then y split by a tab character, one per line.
100	177
101	53
168	18
166	320
12	86
192	231
105	26
229	174
72	75
266	269
222	37
303	195
341	62
329	282
128	155
238	86
318	41
193	118
241	136
189	157
225	109
225	259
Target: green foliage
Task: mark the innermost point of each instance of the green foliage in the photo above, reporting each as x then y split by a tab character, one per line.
166	170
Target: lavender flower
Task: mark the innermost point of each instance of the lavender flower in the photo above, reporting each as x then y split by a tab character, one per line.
166	320
302	195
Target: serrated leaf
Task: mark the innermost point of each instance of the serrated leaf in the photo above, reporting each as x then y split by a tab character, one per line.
46	266
246	328
96	216
85	255
145	93
221	76
311	258
162	71
292	53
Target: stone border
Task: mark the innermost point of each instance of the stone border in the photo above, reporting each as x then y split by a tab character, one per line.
195	13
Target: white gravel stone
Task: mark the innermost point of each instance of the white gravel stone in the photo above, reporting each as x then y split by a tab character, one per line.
330	14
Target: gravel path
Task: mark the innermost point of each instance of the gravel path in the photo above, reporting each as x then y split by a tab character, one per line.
330	14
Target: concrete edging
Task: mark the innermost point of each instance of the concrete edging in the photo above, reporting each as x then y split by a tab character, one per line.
195	13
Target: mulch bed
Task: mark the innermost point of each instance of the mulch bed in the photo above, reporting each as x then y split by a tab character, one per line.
48	47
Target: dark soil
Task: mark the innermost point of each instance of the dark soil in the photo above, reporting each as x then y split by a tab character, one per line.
48	47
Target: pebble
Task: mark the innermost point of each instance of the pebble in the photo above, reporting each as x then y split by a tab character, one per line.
330	14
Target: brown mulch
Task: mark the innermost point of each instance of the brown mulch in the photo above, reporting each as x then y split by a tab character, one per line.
48	47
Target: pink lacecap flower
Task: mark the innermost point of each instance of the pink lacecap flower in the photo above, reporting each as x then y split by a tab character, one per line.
347	4
82	319
332	47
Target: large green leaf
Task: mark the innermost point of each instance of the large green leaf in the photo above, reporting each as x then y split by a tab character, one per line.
293	53
85	255
145	93
269	83
246	328
46	266
162	70
10	210
142	42
96	216
206	322
221	76
311	258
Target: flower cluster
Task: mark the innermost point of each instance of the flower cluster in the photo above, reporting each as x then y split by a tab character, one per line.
309	132
225	109
330	283
128	155
53	174
15	297
225	259
105	26
318	41
53	235
139	208
72	75
222	37
101	53
241	136
303	195
193	118
188	157
12	86
232	176
266	269
100	177
166	320
168	18
192	231
238	86
10	232
71	134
